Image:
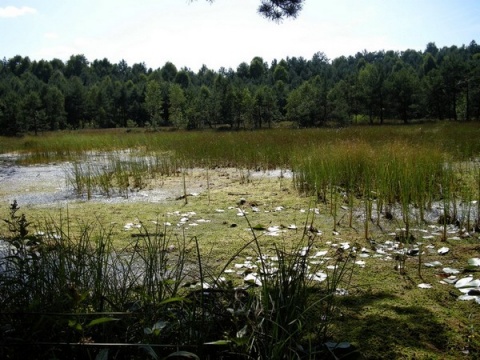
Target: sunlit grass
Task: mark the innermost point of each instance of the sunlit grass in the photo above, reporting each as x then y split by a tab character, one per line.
365	182
269	148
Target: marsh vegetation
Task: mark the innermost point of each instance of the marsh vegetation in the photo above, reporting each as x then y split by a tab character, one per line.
375	232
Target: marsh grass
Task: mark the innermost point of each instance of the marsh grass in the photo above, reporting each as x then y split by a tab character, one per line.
272	148
398	174
80	282
158	289
387	166
117	172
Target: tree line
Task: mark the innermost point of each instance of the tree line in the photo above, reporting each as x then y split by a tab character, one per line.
372	87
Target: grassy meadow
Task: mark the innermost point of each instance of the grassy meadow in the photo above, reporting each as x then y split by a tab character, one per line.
311	243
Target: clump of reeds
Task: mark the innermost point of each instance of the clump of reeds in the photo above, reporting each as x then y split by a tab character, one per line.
387	175
117	173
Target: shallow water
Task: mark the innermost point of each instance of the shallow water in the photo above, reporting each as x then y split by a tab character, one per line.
47	184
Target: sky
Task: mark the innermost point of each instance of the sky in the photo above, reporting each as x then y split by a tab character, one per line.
226	33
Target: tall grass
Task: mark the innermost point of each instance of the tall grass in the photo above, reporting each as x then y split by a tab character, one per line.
396	172
387	166
117	172
387	176
273	148
291	313
62	291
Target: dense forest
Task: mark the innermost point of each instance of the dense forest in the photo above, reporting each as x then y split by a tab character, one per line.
370	87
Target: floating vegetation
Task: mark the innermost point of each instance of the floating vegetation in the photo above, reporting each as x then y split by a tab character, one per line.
398	210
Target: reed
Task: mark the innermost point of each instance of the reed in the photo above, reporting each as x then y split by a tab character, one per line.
272	148
446	191
72	286
389	176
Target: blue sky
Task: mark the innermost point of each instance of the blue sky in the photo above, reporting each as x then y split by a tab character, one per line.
227	32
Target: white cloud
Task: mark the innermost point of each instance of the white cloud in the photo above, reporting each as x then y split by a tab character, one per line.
12	11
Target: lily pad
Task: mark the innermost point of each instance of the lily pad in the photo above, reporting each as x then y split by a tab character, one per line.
259	227
340	345
182	355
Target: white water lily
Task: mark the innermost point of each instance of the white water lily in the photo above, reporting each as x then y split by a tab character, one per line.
253	278
129	226
320	253
341	292
319	276
452	279
304	251
443	250
433	264
464	282
466	297
474	262
450	271
425	286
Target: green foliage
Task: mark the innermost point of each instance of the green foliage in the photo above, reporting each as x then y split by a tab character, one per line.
81	290
381	86
17	224
177	107
154	102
